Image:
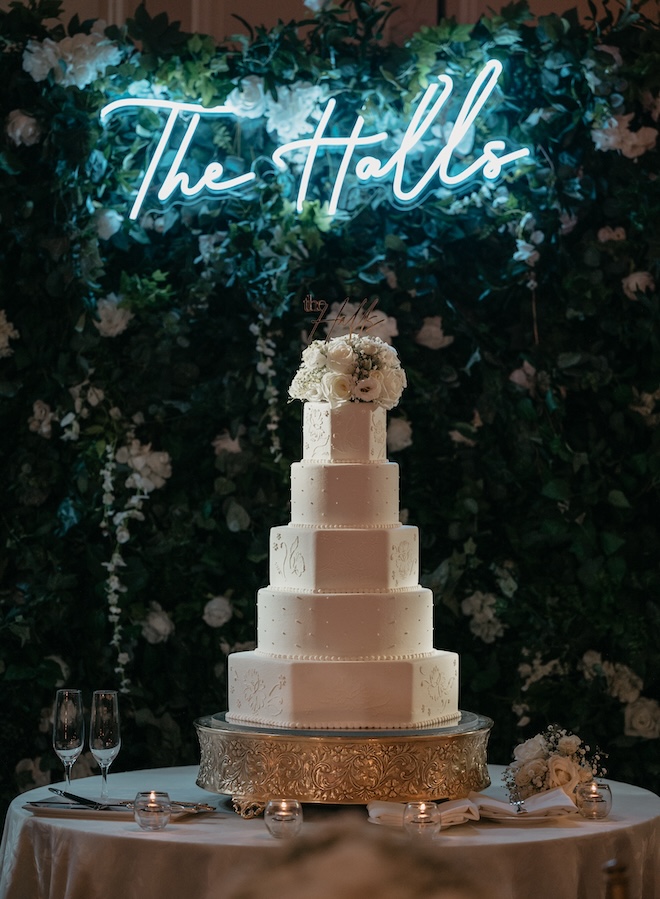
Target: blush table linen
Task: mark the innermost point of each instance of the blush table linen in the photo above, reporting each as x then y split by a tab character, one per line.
108	855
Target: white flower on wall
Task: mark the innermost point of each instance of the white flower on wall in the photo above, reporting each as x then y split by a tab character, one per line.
157	626
150	468
113	318
616	135
41	420
431	334
288	115
22	128
399	435
7	332
484	623
637	282
217	611
77	60
248	100
642	718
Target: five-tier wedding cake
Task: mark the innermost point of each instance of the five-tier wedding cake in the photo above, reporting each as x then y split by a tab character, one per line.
344	629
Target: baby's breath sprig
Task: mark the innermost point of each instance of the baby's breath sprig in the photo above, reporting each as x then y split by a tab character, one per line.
266	369
115	525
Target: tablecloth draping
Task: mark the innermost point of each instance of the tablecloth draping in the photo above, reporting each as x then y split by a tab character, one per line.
45	857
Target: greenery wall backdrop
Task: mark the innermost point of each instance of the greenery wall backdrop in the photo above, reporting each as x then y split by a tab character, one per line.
146	437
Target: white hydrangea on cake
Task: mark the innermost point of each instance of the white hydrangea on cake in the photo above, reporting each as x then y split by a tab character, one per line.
349	369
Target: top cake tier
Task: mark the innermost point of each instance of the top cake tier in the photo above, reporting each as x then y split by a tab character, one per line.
352	432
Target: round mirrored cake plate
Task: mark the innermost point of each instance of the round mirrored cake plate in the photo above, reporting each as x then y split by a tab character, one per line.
254	764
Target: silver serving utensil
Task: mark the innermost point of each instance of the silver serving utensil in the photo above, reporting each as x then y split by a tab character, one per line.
515	800
193	807
81	800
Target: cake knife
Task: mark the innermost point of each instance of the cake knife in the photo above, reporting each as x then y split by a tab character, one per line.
128	803
81	800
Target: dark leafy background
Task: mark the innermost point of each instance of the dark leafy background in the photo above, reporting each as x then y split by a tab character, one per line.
556	485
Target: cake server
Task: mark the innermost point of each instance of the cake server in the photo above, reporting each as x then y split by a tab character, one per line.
81	800
128	803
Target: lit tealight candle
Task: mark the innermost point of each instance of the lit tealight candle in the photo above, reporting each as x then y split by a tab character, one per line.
283	817
594	799
152	810
421	820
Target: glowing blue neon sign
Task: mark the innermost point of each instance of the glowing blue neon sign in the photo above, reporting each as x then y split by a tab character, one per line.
494	156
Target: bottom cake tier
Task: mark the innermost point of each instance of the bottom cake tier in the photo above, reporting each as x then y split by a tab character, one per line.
343	694
253	765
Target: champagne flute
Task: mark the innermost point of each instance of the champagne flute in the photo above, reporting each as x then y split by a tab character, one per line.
104	733
68	729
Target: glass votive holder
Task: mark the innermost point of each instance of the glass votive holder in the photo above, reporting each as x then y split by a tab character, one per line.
593	799
421	820
152	810
283	818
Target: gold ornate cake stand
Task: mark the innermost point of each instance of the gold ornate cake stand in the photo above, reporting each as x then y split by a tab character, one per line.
253	764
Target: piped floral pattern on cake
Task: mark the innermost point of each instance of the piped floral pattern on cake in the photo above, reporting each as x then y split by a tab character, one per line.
288	559
259	696
317	434
379	436
404	561
437	685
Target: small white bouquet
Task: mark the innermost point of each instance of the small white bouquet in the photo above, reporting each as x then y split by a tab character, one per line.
349	369
553	758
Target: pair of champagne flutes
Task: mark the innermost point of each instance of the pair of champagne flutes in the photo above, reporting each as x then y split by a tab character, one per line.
104	731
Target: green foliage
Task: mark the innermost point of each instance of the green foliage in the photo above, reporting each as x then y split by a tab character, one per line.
534	467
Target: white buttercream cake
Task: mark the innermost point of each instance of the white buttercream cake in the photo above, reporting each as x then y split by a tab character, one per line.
344	629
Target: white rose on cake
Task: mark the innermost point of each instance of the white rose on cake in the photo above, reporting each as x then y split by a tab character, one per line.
368	389
393	381
349	368
340	357
336	388
312	356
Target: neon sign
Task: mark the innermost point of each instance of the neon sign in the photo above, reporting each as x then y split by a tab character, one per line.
445	167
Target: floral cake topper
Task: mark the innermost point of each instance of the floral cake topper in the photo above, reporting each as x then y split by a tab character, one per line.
349	369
